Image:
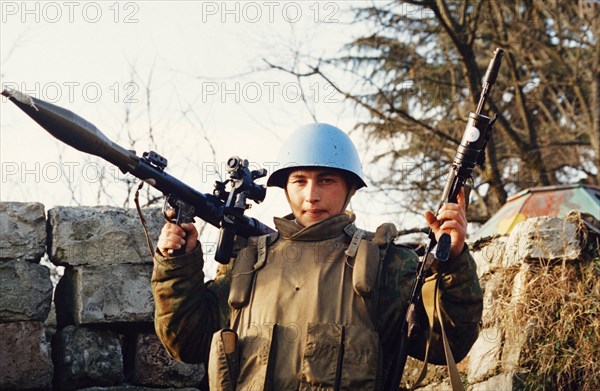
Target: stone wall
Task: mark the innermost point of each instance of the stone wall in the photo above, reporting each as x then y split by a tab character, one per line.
101	334
97	332
534	246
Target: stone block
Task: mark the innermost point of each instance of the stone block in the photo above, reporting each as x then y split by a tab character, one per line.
101	235
493	285
485	354
84	358
515	339
489	257
50	322
516	335
542	238
520	285
23	231
412	370
503	382
153	366
444	385
25	359
104	294
26	291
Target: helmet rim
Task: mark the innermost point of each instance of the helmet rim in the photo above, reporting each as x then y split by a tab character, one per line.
315	146
279	177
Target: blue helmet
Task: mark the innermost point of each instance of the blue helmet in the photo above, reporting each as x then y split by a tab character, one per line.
317	146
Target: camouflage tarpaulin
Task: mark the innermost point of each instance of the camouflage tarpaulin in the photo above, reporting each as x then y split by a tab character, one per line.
554	201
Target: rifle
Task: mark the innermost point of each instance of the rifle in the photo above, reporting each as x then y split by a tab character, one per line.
471	152
222	209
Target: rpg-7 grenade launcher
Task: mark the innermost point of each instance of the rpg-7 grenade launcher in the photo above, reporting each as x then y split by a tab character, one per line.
223	209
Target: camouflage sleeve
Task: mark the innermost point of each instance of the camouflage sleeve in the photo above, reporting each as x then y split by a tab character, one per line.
397	278
461	300
461	305
187	311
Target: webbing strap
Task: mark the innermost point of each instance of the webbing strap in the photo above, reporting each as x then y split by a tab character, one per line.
142	219
359	234
455	380
426	293
432	294
424	368
261	252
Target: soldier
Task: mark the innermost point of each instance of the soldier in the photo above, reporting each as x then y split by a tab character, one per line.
319	303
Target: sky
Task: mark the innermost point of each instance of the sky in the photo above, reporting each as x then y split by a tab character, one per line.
190	80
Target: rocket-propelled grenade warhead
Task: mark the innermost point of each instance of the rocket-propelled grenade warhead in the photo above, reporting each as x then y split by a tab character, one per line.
73	130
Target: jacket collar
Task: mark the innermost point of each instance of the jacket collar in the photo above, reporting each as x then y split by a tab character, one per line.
288	228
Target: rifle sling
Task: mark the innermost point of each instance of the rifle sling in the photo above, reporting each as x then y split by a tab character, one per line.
142	219
431	294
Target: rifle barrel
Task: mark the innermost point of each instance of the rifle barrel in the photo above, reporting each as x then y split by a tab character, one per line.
467	156
490	78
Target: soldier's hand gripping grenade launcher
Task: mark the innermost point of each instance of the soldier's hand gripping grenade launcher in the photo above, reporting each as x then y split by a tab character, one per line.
471	152
223	209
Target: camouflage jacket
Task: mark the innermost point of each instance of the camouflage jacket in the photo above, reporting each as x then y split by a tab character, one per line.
311	309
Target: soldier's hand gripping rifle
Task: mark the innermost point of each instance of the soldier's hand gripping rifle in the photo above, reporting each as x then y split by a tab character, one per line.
471	152
224	209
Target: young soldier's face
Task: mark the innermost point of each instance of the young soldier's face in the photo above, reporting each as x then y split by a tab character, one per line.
316	195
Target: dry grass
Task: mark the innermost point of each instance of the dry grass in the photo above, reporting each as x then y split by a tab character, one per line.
557	315
563	350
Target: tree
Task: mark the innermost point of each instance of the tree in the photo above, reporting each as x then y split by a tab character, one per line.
420	73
